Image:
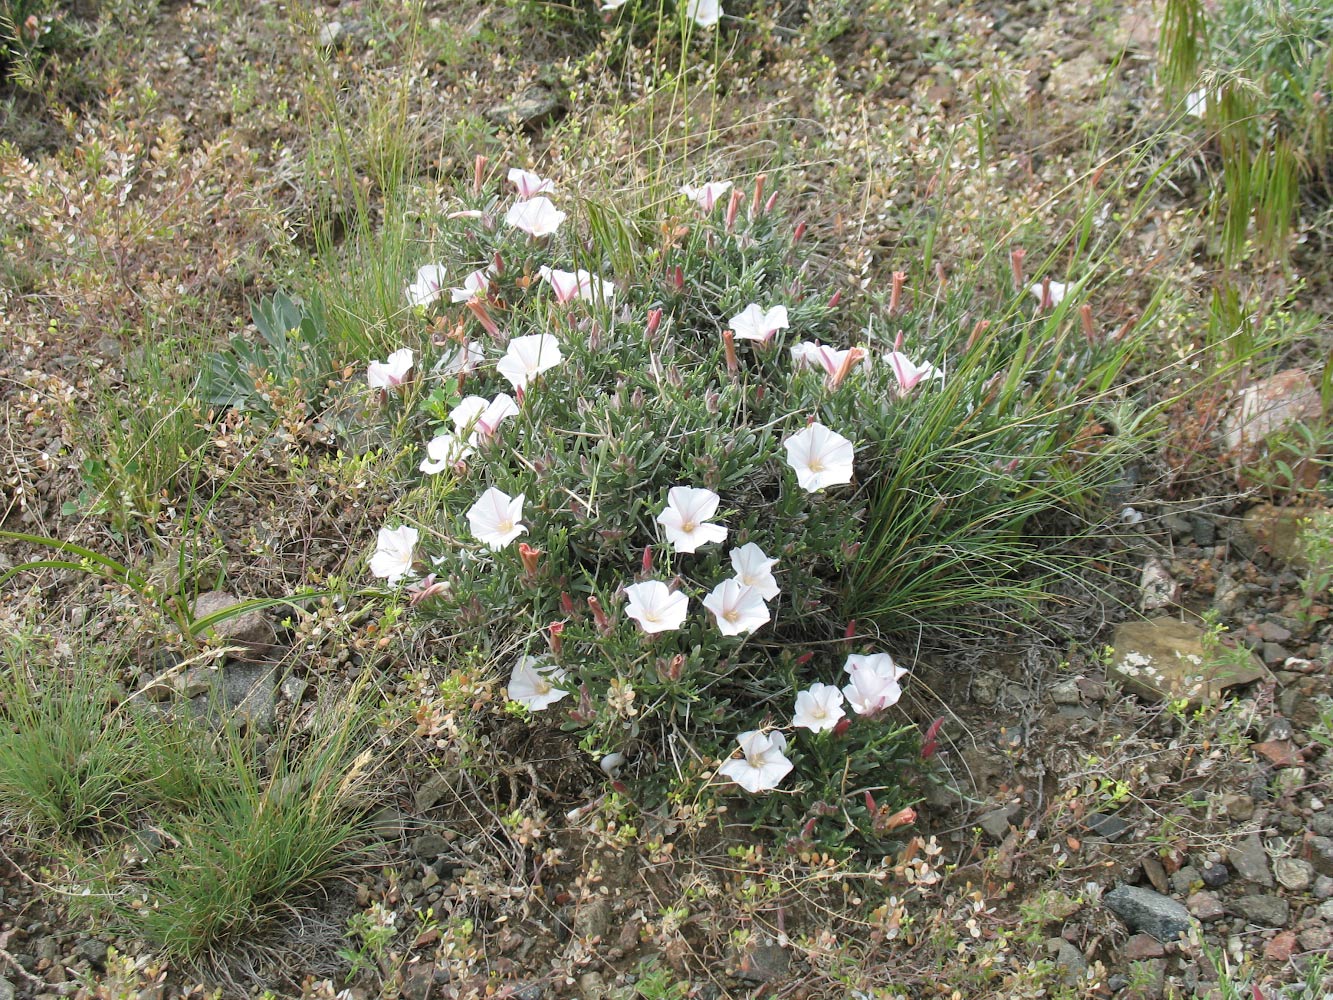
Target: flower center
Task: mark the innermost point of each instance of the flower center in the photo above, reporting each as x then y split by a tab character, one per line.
505	526
688	526
816	465
819	712
542	686
755	760
731	614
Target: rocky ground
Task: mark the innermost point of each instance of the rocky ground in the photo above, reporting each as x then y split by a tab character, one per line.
1129	809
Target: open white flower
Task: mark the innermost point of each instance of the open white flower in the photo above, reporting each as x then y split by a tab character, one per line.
580	284
444	451
1058	290
818	708
705	13
755	569
908	373
655	606
812	355
528	184
613	4
737	608
821	457
393	552
478	418
874	682
530	683
536	216
496	518
475	286
391	372
706	195
756	323
761	765
428	286
527	357
686	516
463	358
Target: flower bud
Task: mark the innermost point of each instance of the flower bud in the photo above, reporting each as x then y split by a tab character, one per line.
478	174
772	200
1089	330
842	726
654	321
798	232
896	292
729	344
835	299
566	603
530	558
733	207
553	633
598	614
758	194
1016	256
646	563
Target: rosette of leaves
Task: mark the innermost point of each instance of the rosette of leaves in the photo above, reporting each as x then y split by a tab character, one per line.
287	368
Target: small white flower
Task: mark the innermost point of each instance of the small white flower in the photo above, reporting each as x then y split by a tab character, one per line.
737	608
527	357
475	286
755	323
908	373
761	765
1058	290
613	4
686	516
809	354
462	359
496	518
530	683
656	607
705	13
428	286
536	216
755	569
1196	103
818	708
528	184
479	419
391	372
706	195
820	457
874	682
393	552
444	451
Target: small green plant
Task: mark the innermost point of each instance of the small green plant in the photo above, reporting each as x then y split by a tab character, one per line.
1316	544
31	33
371	930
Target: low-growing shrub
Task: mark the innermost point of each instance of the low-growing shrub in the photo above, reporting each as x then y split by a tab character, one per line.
668	506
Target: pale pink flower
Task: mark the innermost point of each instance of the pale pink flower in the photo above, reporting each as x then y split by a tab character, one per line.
655	606
392	372
479	419
818	708
874	682
428	286
536	216
686	517
705	13
527	357
569	285
761	765
528	184
821	457
475	286
908	373
706	195
755	569
496	518
461	359
1057	291
737	608
444	451
393	552
808	354
530	683
755	323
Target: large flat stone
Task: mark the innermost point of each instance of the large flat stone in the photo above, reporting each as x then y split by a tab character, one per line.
1163	659
1149	912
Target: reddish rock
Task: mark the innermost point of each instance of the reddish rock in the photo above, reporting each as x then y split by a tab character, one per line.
1141	947
1282	947
1279	753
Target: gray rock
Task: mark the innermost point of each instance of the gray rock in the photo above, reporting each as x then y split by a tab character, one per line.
986	689
592	918
1321	823
330	34
434	788
1068	959
1323	887
1066	692
1238	805
1271	911
248	691
6	989
996	822
592	986
1325	910
1317	938
93	950
293	689
1215	876
249	629
429	846
1108	827
1250	860
1203	529
1321	854
1185	880
1293	873
417	981
531	108
1148	911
